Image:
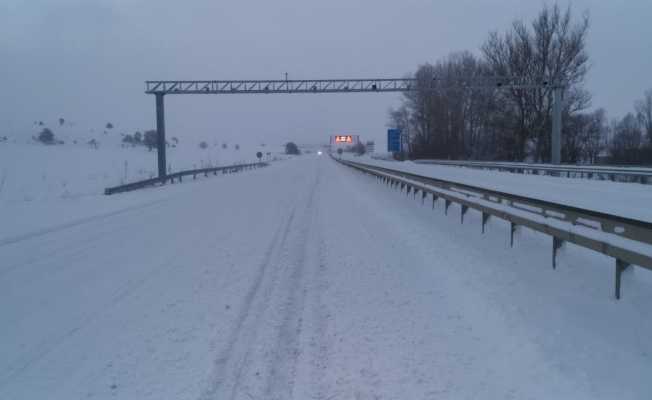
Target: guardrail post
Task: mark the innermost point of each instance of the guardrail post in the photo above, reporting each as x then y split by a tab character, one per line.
423	197
434	200
512	230
556	245
485	218
620	267
464	210
446	205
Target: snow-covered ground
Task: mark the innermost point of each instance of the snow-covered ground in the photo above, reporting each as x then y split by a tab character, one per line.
307	280
631	200
51	182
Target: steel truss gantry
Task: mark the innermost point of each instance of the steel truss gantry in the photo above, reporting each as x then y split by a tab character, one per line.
163	87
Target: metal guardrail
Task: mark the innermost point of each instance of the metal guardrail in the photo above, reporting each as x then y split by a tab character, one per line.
628	241
179	177
621	174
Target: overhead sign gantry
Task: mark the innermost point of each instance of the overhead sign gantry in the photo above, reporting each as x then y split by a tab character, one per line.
161	88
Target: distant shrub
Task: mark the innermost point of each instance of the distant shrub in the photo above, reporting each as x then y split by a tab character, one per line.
46	136
61	121
359	149
93	143
150	139
203	145
237	147
224	146
109	125
292	148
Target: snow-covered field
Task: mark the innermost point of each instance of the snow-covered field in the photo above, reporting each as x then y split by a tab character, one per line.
52	182
306	280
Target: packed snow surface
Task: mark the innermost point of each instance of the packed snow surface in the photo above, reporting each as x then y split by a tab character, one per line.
306	280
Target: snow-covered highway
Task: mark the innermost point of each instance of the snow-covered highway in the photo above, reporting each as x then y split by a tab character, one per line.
307	280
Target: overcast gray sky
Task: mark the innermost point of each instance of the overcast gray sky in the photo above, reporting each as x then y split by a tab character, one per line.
86	60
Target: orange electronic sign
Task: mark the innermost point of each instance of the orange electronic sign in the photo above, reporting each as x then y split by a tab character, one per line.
343	139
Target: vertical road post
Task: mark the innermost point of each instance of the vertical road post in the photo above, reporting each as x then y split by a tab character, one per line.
555	148
160	135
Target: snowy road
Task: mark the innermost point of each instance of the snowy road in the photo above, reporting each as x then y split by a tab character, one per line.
307	280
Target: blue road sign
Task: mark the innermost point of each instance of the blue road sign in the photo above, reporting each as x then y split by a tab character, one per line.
394	140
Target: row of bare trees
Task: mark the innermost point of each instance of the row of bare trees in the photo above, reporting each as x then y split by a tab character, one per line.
454	114
631	137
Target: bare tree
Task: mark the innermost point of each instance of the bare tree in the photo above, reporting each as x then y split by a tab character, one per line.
594	135
644	114
552	49
445	117
626	142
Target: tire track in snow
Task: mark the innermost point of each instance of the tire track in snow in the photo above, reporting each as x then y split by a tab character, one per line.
41	253
229	364
95	218
281	375
321	342
259	361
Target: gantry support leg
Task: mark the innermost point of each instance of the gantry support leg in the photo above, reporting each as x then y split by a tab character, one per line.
160	135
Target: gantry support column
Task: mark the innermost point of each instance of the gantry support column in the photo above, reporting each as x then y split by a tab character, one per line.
160	135
555	156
